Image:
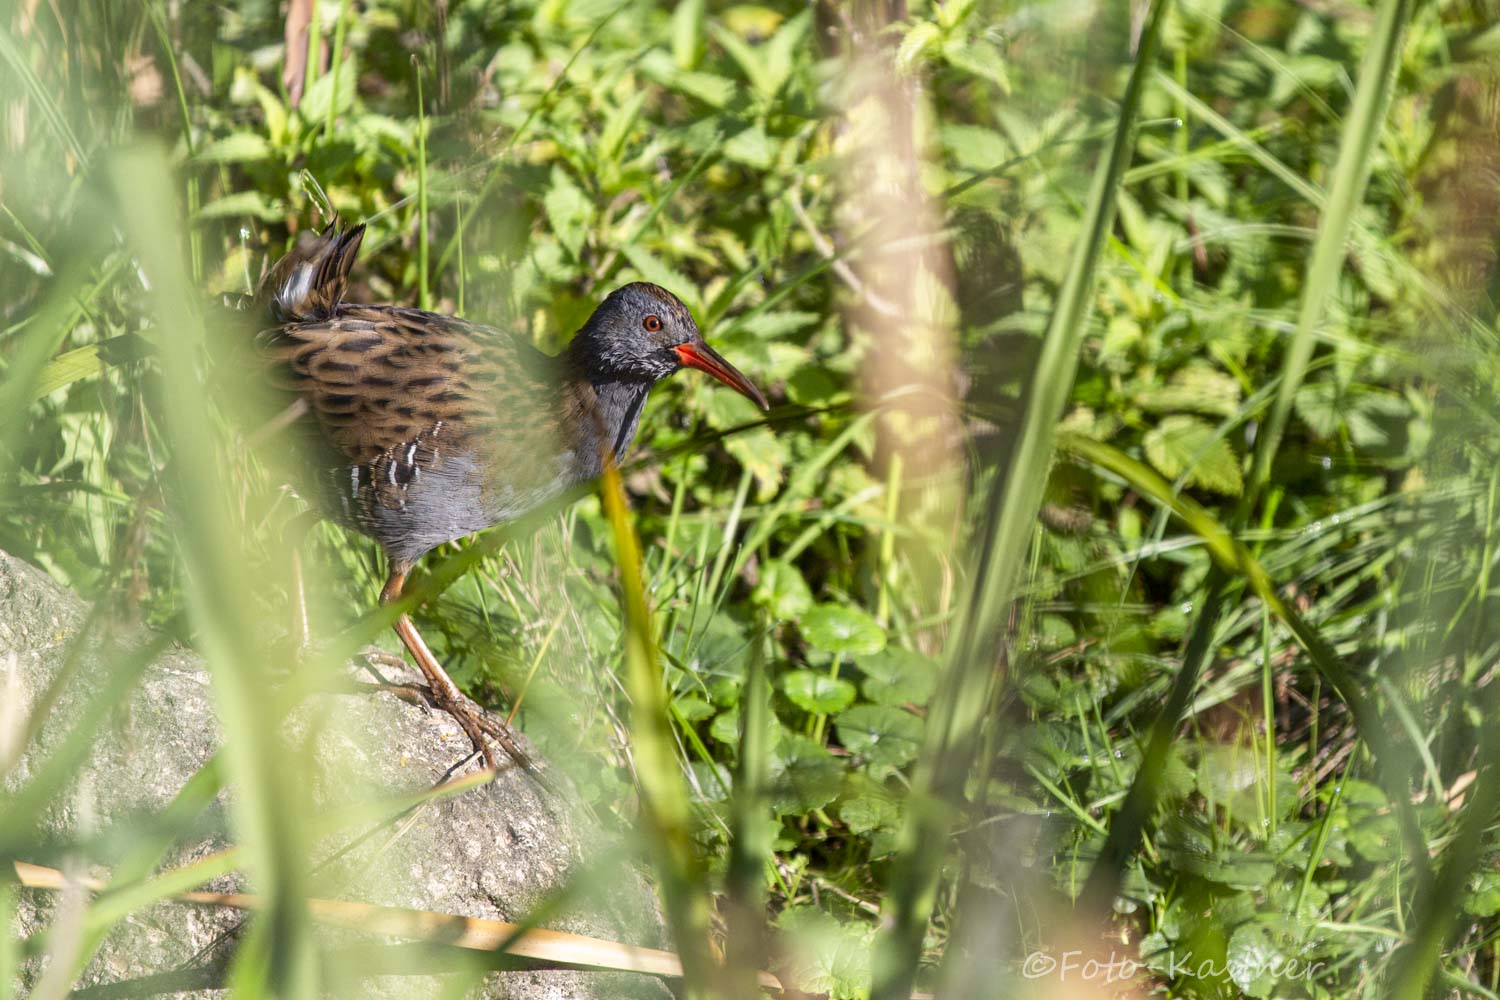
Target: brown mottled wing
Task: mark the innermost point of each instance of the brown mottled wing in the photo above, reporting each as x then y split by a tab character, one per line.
437	427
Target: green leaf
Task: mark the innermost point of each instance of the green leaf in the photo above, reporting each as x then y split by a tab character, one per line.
817	693
726	727
839	628
762	452
253	203
804	775
881	734
569	212
865	813
923	36
898	676
826	956
770	325
68	368
752	147
335	88
617	127
651	269
687	34
1317	404
1254	960
1182	444
1483	899
975	148
981	59
241	147
693	708
782	591
1196	388
713	90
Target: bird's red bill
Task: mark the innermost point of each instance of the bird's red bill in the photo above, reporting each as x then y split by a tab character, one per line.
706	359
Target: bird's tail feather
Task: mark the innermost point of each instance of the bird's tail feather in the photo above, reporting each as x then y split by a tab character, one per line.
310	281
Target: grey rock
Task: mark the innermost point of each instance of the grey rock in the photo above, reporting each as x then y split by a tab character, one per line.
493	852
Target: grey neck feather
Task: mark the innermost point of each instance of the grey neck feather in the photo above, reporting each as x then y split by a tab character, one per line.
619	413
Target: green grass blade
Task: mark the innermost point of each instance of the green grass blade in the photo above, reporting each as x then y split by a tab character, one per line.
750	846
1350	175
963	695
1435	916
664	798
41	96
1235	565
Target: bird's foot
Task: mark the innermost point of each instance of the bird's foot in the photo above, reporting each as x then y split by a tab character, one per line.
481	729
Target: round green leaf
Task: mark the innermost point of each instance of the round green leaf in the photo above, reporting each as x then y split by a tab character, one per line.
865	813
782	591
817	693
881	734
837	628
896	676
804	775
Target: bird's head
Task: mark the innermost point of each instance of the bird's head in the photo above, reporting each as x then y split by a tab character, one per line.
642	332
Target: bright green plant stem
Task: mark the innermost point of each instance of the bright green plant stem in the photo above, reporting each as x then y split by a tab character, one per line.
333	68
750	842
424	294
964	691
664	798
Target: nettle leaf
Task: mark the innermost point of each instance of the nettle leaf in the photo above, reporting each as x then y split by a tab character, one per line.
770	325
651	268
709	88
1196	388
979	58
241	147
1370	416
923	36
782	591
712	780
816	692
254	203
752	147
812	386
804	775
760	451
975	148
1182	444
825	954
1317	404
569	211
881	734
782	50
336	88
839	628
1373	416
896	676
1255	960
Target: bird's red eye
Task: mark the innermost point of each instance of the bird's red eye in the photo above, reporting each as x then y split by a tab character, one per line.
653	323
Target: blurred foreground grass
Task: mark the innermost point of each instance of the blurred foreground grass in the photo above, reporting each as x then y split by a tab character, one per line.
1113	575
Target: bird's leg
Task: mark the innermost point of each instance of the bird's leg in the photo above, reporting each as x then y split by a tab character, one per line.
445	694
